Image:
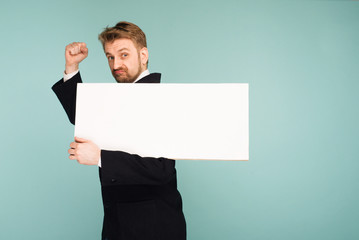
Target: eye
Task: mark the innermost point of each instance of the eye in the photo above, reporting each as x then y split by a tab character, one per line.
110	58
124	55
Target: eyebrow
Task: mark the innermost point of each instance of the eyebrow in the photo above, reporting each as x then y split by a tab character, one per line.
107	53
123	49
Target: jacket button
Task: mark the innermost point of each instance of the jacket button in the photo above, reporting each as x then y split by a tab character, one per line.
113	180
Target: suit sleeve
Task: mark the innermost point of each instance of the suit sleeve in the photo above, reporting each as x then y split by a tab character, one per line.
66	93
123	168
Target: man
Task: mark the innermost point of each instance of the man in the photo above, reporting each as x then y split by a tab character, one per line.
139	194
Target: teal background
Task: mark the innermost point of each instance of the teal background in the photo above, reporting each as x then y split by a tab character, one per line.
301	59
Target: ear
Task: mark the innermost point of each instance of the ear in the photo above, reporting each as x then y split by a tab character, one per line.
144	57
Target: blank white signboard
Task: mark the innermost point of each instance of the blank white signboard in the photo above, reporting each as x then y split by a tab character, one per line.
177	121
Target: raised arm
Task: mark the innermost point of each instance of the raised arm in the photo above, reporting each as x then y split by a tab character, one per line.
65	89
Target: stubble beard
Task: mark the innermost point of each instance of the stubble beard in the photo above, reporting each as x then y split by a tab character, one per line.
125	77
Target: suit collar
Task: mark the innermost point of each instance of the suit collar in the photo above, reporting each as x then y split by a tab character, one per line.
142	75
152	78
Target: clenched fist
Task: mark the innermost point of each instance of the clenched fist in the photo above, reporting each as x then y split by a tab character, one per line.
74	53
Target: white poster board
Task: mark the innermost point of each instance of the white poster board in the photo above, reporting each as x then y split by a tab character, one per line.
177	121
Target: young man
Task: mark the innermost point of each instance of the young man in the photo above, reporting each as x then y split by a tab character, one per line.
140	195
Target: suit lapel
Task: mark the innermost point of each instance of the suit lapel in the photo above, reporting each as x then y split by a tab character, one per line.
152	78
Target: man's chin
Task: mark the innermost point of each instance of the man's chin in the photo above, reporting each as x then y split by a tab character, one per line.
122	79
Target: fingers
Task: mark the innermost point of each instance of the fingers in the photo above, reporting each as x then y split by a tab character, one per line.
72	48
83	48
76	48
81	140
71	151
84	151
73	145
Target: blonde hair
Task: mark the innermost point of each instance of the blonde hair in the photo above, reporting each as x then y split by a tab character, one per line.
124	30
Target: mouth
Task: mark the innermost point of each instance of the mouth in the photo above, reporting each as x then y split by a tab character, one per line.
119	72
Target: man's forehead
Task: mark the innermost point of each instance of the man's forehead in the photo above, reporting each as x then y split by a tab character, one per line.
120	44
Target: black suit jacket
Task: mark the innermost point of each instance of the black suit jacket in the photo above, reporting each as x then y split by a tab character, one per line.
139	194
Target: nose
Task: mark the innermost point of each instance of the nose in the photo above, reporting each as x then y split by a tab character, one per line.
117	63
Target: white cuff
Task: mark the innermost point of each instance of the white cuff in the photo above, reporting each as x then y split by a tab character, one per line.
99	162
70	75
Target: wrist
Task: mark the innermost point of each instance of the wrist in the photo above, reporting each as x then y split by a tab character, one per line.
71	68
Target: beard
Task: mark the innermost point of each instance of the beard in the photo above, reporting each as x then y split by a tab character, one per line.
125	76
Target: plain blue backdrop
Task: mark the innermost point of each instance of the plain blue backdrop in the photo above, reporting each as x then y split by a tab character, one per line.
301	60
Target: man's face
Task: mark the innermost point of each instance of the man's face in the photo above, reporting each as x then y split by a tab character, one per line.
125	60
